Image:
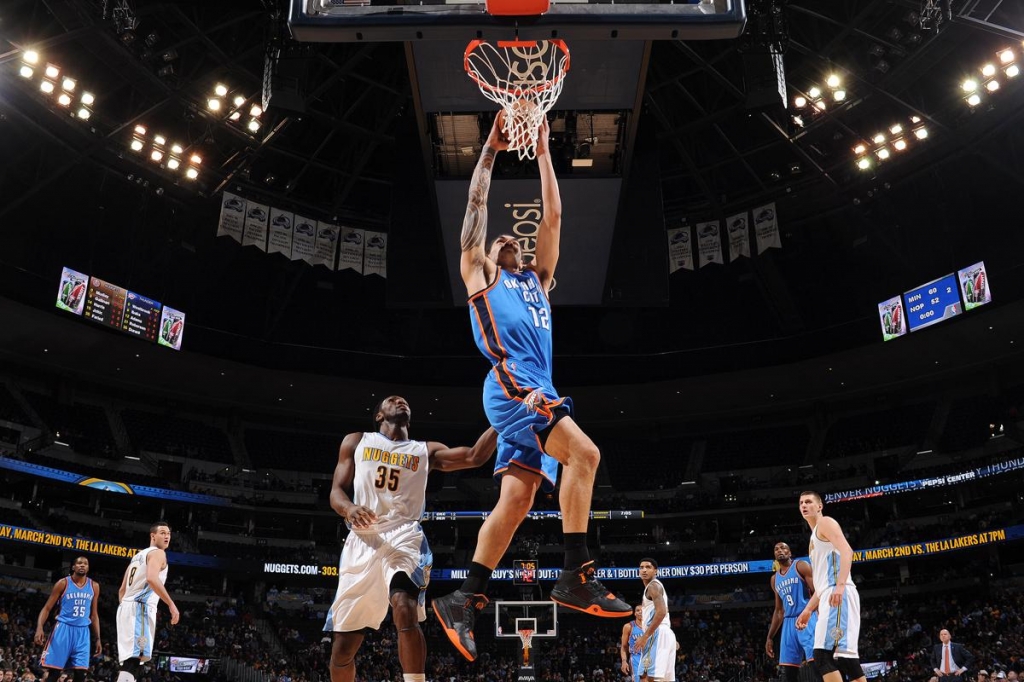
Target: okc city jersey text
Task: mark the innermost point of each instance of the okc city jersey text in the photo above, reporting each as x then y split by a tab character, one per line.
76	603
511	320
790	588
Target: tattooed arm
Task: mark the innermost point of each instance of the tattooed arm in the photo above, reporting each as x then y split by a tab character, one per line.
477	269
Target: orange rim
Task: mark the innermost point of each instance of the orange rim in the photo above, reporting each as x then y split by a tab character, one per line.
547	85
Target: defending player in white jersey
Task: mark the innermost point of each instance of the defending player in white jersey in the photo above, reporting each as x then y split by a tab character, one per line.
380	487
835	596
142	589
657	644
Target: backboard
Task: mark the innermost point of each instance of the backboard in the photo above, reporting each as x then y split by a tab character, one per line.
414	20
510	616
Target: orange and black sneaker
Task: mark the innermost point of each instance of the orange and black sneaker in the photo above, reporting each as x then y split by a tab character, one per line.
457	613
581	590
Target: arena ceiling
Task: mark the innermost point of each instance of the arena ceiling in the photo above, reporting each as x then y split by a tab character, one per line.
74	193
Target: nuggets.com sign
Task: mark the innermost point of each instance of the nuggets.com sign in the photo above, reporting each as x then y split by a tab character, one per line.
38	537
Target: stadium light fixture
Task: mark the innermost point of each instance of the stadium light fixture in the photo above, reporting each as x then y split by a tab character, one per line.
900	145
159	139
833	81
915	119
800	102
839	95
31	57
140	129
26	71
176	149
46	86
220	89
921	133
52	71
896	129
192	173
1006	56
988	70
173	163
64	100
256	111
974	100
969	85
88	98
254	125
137	145
196	159
84	114
860	149
878	138
1012	71
992	85
239	100
864	163
156	155
814	92
883	153
68	84
235	116
213	104
820	105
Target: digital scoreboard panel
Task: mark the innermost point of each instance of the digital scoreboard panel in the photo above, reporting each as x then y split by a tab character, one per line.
974	286
933	302
116	307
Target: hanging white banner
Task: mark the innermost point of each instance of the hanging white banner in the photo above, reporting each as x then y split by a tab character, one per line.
280	232
766	227
326	244
232	216
256	219
738	230
304	241
350	253
709	242
680	249
375	257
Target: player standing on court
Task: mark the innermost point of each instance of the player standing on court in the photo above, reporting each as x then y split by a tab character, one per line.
511	319
142	589
835	596
631	631
657	644
788	584
380	488
79	597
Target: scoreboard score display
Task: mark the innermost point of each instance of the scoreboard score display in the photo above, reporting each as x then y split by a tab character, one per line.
933	302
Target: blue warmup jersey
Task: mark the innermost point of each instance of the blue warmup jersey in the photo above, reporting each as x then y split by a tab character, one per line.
511	322
634	658
795	645
69	640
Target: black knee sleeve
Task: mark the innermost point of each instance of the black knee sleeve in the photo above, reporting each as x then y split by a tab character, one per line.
823	662
790	673
850	668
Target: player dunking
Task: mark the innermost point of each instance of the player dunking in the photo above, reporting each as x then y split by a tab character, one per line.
657	643
631	631
142	589
835	596
511	319
79	596
791	583
380	486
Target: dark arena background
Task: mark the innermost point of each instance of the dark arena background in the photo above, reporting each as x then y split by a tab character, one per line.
792	258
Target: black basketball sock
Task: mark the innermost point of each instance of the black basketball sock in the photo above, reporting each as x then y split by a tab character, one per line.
576	553
476	581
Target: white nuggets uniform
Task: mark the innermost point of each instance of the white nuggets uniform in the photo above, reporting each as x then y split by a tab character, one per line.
391	480
136	614
838	626
658	658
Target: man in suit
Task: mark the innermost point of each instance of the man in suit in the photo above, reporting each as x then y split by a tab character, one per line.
949	659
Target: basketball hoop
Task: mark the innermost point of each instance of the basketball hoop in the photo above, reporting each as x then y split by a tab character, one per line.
526	636
524	78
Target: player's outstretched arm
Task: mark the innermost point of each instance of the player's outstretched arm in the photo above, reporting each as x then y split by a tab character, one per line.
549	233
357	515
44	613
155	561
444	458
477	270
94	618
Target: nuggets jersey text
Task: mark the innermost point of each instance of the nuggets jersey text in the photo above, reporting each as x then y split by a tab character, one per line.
390	479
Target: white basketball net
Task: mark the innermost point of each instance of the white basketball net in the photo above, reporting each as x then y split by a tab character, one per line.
525	79
527	638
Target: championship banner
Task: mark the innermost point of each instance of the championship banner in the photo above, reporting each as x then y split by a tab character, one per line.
680	249
232	217
375	256
766	227
709	243
256	218
326	245
280	232
1006	467
350	254
304	242
739	236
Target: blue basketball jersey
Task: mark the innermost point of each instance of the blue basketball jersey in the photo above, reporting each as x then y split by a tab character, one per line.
634	634
76	603
511	321
790	588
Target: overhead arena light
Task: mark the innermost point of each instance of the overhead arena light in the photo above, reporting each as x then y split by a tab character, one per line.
52	71
256	111
192	173
46	86
839	95
883	153
1012	71
64	100
799	102
156	155
254	125
992	85
239	100
896	129
878	138
140	129
988	70
974	100
196	159
833	81
921	133
220	90
864	163
26	71
814	92
88	98
235	116
137	145
31	56
84	114
900	144
1006	56
176	149
68	84
860	149
213	104
969	85
159	139
820	105
173	163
